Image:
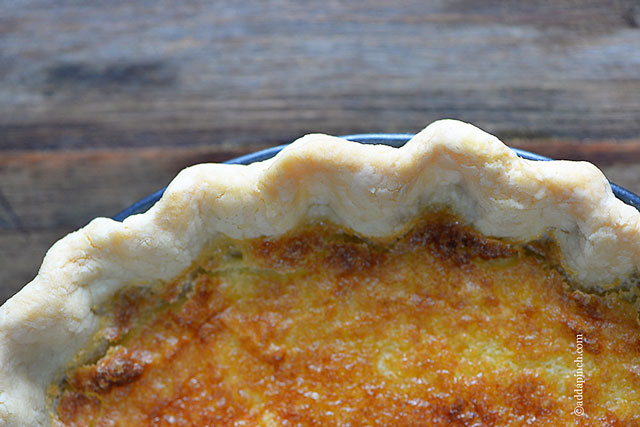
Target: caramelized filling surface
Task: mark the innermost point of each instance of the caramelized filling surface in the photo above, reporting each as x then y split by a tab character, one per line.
438	327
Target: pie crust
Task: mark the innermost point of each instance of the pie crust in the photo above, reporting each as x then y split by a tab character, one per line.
373	190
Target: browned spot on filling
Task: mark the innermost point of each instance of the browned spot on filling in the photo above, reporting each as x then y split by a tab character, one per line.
119	367
447	239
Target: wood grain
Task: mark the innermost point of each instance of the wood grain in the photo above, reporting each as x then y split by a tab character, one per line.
121	73
102	103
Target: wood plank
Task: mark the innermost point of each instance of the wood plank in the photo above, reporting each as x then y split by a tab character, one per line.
119	74
102	103
624	174
598	152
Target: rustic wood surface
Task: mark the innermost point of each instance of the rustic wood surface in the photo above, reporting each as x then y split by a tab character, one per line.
102	103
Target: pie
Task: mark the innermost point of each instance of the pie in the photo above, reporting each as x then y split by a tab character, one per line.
444	283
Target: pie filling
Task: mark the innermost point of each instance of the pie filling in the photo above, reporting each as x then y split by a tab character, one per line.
438	326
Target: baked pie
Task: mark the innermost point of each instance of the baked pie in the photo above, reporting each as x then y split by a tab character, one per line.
444	283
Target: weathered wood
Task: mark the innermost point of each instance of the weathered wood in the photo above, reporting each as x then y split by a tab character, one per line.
624	174
102	103
122	73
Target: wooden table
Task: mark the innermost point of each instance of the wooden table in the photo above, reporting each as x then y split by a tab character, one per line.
103	102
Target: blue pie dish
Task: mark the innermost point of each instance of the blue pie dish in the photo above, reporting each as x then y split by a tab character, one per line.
391	139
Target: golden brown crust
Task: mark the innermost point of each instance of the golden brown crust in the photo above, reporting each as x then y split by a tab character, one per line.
372	190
